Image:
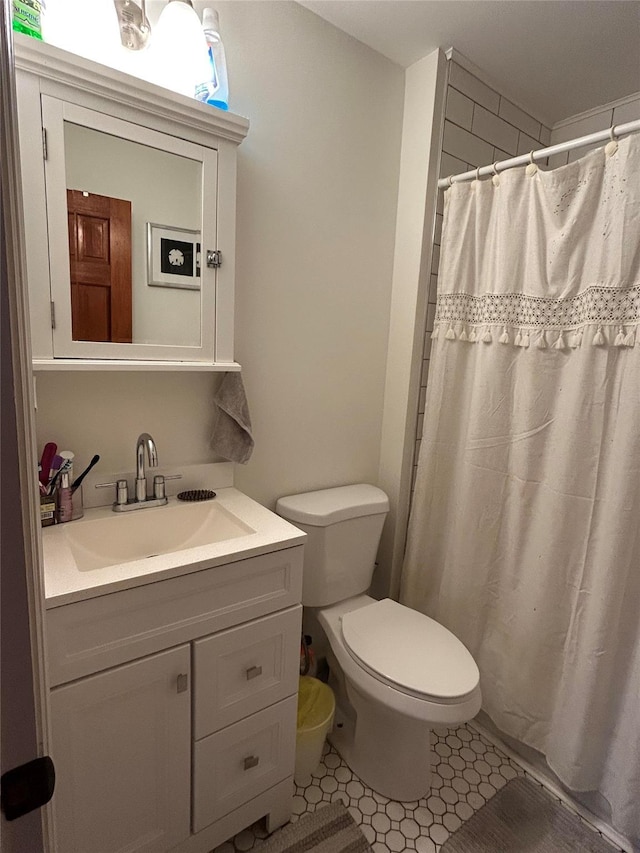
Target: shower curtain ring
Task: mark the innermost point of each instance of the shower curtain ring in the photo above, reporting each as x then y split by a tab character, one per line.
450	179
612	146
494	167
531	168
478	173
531	163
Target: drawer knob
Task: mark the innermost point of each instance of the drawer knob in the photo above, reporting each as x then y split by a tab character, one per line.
251	761
182	684
253	672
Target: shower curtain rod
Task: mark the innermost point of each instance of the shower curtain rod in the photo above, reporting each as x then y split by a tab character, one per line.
522	160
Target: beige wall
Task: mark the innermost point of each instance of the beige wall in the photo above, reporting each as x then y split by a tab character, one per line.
317	189
318	178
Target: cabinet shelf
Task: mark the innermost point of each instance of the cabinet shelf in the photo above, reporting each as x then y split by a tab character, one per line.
54	364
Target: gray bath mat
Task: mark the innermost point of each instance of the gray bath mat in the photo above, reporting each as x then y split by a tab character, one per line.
524	818
331	829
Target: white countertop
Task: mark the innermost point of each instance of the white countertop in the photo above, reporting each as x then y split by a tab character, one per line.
65	582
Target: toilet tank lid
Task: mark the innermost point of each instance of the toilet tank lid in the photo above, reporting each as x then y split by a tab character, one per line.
327	506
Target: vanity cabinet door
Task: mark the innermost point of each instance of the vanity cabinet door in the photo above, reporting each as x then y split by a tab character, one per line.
121	747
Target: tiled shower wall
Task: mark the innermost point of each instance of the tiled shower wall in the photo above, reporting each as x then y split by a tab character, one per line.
602	118
481	126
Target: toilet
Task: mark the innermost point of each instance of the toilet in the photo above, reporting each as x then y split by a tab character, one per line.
396	672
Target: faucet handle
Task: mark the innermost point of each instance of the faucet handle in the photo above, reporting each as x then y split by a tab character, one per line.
122	490
158	484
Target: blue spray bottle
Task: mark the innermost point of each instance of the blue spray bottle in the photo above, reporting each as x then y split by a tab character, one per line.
215	90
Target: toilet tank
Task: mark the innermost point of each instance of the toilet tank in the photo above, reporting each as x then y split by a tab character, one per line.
343	527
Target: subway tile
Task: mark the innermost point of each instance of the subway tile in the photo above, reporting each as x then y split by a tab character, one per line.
581	127
627	112
431	316
416	455
422	400
435	260
463	145
518	118
545	135
578	153
437	237
499	155
459	108
440	202
419	425
494	130
527	144
557	160
451	165
433	289
426	349
475	89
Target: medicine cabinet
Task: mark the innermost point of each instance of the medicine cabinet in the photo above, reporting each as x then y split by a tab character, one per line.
129	200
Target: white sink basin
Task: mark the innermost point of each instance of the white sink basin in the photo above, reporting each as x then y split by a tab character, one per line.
109	551
122	537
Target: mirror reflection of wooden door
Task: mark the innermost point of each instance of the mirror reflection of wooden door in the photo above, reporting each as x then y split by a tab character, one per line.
100	258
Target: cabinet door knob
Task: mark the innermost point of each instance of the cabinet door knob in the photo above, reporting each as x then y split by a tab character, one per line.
253	672
251	761
182	683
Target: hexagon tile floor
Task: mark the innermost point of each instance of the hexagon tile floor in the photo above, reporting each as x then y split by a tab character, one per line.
468	770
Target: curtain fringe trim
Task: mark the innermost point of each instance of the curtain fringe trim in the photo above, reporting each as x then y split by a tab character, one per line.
522	337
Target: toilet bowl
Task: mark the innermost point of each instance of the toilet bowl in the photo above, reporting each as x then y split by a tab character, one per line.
405	675
396	672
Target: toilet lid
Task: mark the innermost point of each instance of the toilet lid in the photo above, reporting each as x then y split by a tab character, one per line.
410	650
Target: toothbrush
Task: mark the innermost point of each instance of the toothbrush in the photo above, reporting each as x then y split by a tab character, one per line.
50	450
56	463
79	480
66	466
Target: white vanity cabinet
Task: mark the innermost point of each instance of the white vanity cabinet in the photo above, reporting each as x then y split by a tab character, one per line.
123	757
174	708
129	209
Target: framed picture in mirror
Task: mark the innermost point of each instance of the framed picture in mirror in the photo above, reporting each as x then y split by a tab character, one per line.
173	257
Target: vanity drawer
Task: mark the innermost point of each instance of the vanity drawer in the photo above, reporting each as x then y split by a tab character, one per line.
242	761
245	669
91	635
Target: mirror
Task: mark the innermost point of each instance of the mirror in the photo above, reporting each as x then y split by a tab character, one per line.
135	225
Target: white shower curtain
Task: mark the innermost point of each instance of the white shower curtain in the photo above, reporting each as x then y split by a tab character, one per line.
524	536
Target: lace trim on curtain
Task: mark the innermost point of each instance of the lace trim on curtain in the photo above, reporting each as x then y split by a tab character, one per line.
595	306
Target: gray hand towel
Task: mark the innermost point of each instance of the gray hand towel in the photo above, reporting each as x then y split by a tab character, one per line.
232	437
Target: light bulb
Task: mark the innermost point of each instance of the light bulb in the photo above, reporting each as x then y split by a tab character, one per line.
178	52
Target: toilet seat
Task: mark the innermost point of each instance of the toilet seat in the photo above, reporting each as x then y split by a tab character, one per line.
410	652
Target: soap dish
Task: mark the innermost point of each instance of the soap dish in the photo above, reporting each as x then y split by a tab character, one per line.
196	495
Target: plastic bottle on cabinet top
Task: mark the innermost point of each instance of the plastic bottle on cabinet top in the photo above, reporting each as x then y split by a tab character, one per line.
215	89
27	15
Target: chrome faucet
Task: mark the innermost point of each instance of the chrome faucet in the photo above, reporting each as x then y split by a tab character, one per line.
141	501
144	440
